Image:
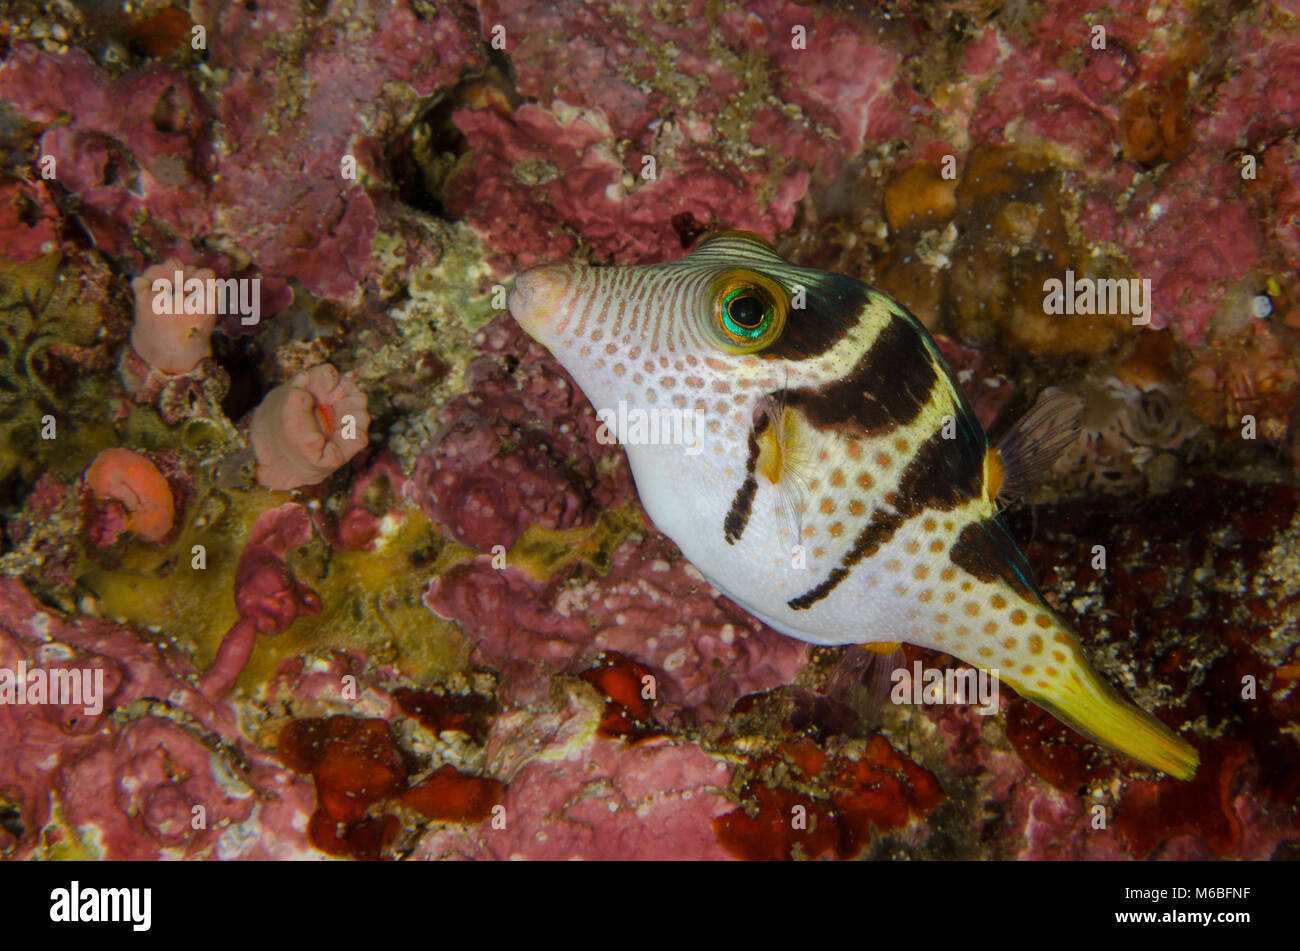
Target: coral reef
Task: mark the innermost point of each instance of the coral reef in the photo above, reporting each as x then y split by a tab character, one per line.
1237	617
708	132
188	159
155	745
514	450
357	577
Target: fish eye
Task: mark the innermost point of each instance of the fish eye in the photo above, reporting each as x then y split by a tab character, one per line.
749	311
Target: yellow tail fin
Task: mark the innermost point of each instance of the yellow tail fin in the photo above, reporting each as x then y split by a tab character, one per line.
1081	699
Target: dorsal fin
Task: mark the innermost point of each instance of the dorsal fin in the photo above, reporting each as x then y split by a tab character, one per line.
1033	444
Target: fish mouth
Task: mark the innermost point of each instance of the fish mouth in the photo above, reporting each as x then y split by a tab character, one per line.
536	301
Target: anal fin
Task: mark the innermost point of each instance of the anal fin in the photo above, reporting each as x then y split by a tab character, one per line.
862	678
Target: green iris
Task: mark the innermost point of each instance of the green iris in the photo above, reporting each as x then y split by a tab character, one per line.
746	312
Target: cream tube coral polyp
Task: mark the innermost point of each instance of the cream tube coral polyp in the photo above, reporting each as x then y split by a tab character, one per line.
169	340
305	429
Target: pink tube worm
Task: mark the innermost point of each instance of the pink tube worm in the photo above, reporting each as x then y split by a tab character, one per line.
267	594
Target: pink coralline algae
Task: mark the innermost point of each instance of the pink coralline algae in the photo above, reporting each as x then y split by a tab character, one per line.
1191	266
1132	97
1279	173
27	221
573	795
361	58
585	181
305	429
662	796
151	770
256	159
267	595
719	151
135	150
358	525
651	606
518	449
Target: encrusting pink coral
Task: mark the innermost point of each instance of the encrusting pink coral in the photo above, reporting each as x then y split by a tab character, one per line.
168	337
134	483
306	428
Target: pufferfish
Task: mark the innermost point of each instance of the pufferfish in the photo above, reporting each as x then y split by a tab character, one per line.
839	487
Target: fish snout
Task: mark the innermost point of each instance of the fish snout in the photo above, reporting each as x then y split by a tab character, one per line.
538	296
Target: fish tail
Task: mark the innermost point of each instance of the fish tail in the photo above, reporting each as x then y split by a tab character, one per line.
1040	657
1082	700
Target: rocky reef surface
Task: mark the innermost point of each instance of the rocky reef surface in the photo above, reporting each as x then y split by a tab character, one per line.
342	567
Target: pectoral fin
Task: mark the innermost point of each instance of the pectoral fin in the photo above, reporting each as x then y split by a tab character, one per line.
1033	444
